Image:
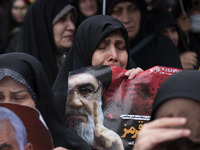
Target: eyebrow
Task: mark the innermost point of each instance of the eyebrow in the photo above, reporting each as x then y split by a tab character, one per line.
20	91
85	84
16	92
2	146
81	85
105	40
120	41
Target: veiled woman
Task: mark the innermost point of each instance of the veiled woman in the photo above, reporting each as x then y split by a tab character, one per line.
95	44
48	33
23	81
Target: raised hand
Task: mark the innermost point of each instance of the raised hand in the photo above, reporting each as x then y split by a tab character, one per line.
159	131
104	139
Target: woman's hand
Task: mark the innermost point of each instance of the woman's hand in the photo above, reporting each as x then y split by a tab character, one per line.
188	60
133	72
159	131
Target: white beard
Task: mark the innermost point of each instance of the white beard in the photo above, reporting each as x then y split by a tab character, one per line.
86	132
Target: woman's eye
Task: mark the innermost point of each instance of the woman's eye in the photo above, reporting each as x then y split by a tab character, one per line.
18	98
62	19
73	19
121	47
101	46
117	11
132	9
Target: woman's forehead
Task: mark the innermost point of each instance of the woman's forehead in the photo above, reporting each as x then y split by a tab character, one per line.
178	107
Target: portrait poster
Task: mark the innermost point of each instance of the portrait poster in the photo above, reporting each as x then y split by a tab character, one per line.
37	132
127	104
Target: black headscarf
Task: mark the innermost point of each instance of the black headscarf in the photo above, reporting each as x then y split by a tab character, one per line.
12	23
158	51
181	85
37	34
3	30
11	31
160	19
143	31
81	17
89	34
20	65
163	4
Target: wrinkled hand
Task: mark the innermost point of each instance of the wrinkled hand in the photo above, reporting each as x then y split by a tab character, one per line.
184	23
159	131
188	60
105	139
59	148
133	72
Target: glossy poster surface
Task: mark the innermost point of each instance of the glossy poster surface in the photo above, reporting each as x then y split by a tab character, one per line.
37	132
127	104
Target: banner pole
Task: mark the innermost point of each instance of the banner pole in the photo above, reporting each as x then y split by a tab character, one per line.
104	7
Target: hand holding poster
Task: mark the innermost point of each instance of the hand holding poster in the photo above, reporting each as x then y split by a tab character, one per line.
125	105
128	103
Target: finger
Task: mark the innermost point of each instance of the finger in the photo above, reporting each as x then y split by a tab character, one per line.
127	73
153	137
112	139
193	54
109	137
133	72
96	114
187	66
132	75
99	129
115	143
138	69
191	57
166	122
191	61
171	134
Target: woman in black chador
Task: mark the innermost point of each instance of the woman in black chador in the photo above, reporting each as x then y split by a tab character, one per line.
48	33
28	71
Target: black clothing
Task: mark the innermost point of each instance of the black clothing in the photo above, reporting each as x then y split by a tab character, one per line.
13	25
89	34
37	34
184	84
163	4
32	71
160	19
158	51
3	31
13	29
143	31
